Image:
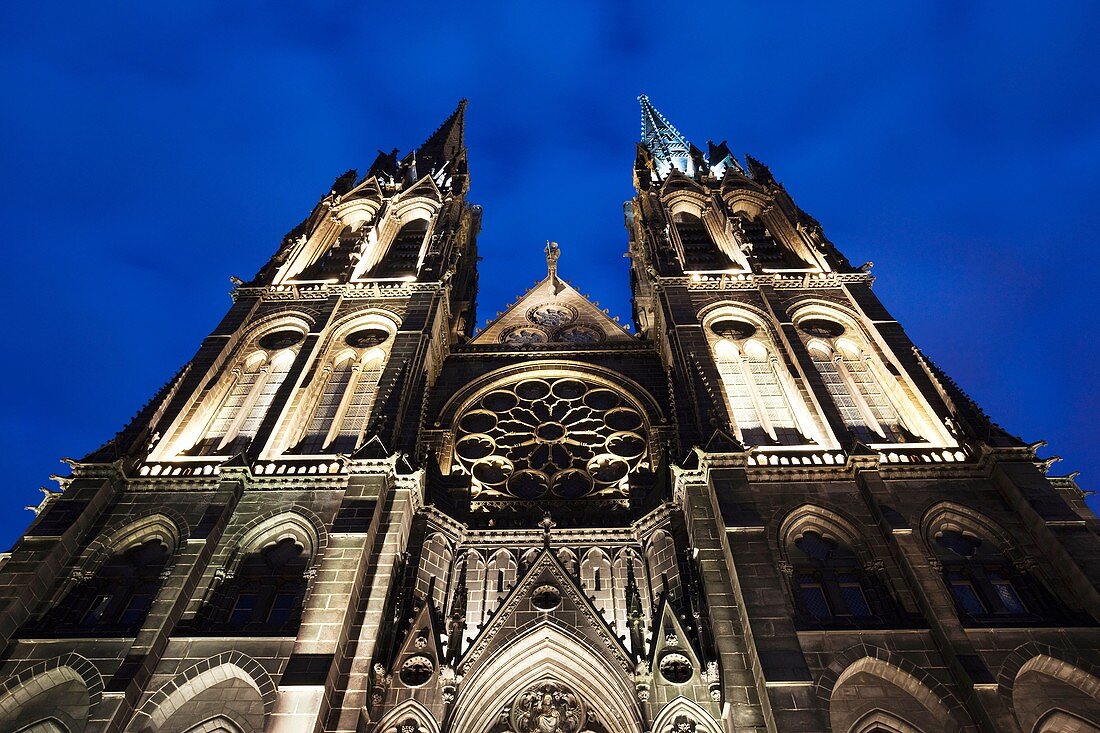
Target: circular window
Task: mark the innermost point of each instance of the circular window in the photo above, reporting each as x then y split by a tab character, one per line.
416	671
676	668
734	330
546	598
367	337
524	336
579	335
551	315
821	327
280	340
559	435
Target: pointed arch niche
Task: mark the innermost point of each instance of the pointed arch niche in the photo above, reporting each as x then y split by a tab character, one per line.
765	405
546	656
227	412
873	696
333	413
1050	695
875	400
835	579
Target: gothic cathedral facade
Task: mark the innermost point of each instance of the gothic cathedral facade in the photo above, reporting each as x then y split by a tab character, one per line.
762	509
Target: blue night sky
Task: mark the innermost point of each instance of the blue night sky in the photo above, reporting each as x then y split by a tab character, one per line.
150	154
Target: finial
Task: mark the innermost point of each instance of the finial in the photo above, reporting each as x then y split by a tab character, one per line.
553	252
547	524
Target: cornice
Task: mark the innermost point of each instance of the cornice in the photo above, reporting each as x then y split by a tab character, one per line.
751	281
322	291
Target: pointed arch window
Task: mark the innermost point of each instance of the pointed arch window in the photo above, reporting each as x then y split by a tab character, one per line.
116	600
264	594
402	258
229	417
831	587
873	406
347	386
764	403
339	257
984	584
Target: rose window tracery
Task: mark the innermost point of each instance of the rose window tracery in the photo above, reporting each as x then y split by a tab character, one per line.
559	437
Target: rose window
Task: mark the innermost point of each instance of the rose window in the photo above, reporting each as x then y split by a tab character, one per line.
555	436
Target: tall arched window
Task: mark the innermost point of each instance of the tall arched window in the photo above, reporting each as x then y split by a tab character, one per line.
402	258
264	595
597	581
345	390
874	406
700	251
764	403
228	418
117	598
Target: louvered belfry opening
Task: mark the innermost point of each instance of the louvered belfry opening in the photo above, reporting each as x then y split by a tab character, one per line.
404	253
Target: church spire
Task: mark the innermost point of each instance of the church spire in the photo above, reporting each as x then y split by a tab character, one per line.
445	144
665	143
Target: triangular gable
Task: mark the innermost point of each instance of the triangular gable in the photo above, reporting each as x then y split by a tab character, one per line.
673	657
367	189
424	187
422	638
529	602
553	311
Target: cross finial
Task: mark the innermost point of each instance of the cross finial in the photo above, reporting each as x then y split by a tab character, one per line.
547	524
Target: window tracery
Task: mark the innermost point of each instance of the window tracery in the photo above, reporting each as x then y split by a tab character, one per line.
233	419
347	384
559	436
984	584
764	403
871	402
263	595
118	597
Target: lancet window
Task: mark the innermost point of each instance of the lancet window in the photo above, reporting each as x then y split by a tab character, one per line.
874	405
344	390
338	258
228	418
829	583
763	400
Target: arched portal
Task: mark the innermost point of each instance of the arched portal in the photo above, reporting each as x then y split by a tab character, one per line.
551	681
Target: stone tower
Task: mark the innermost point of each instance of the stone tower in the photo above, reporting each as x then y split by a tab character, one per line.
762	510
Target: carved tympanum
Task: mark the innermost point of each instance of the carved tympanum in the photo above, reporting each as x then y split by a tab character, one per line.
547	708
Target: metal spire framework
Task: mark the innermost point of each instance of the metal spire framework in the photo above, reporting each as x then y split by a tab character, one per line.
668	147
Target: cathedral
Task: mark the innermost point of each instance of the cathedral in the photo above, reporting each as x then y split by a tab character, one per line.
758	508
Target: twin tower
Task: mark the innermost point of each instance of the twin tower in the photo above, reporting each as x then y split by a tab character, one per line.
764	509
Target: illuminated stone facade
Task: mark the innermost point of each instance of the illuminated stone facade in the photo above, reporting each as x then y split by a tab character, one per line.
759	509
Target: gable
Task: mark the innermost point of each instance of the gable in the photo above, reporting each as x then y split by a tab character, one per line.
553	311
